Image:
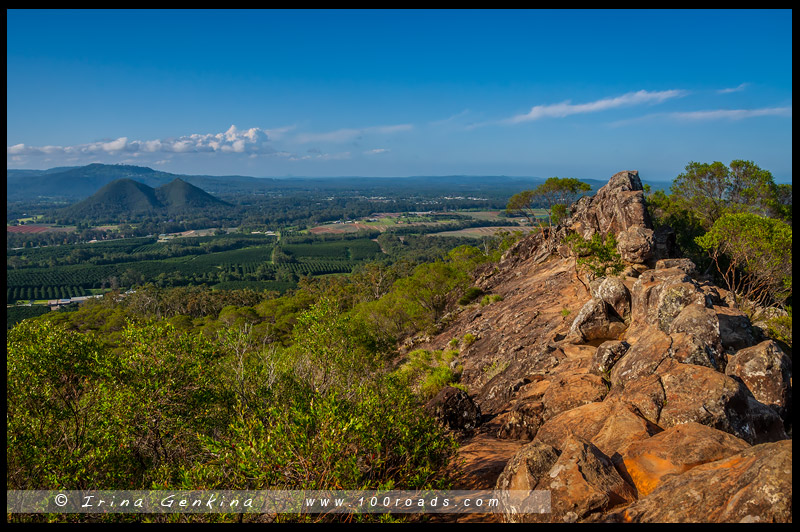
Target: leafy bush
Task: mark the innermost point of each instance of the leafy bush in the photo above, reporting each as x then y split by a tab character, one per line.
320	441
753	254
427	372
167	409
471	294
490	298
600	257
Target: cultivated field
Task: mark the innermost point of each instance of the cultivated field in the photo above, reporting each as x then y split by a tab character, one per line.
35	228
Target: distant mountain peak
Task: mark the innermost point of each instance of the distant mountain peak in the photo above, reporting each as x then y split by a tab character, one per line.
125	198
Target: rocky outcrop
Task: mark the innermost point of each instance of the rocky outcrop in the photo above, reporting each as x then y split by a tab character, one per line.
650	461
607	354
455	408
580	478
596	321
618	207
752	486
767	372
655	395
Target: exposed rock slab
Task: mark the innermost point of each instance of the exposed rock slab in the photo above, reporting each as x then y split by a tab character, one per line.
703	395
752	486
610	425
674	451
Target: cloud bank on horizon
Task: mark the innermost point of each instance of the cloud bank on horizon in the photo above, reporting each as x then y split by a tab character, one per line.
288	143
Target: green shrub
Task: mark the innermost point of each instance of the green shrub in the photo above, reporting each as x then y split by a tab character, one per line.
495	368
468	340
780	328
600	257
171	410
753	255
489	299
470	295
427	372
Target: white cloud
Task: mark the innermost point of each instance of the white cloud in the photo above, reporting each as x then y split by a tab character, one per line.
566	108
16	149
711	114
278	133
449	118
321	157
390	129
151	145
732	114
376	151
739	88
253	140
115	145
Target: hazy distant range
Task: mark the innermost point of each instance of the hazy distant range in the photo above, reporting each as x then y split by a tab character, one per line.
75	183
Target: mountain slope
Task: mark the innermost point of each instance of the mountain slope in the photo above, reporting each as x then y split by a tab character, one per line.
643	397
126	199
83	181
178	195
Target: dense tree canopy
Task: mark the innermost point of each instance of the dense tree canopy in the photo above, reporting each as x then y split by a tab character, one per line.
711	190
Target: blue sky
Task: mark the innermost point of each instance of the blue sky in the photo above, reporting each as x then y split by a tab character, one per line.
394	93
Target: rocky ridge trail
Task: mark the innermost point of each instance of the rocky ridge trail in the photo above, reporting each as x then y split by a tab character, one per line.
645	398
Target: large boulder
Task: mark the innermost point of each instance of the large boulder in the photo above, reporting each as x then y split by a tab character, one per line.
659	296
674	451
703	395
522	422
523	473
651	348
645	395
767	372
607	354
696	337
454	408
596	321
752	486
581	481
735	330
614	292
